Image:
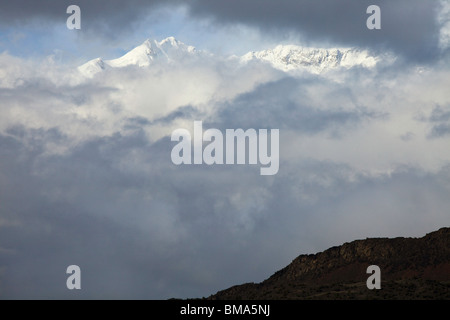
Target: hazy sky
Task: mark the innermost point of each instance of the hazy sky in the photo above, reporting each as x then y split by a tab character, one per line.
86	176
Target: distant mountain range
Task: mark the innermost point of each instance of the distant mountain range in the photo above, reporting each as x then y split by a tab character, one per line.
411	268
283	57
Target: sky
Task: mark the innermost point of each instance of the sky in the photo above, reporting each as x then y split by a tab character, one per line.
86	176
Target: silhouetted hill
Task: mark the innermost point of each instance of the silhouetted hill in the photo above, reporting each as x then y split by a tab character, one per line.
411	268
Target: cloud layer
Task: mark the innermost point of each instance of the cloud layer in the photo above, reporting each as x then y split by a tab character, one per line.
414	29
86	176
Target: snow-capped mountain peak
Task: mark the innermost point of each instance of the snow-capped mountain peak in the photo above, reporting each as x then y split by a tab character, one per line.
314	60
151	50
143	55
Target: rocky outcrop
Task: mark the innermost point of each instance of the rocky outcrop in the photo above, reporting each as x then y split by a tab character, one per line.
340	272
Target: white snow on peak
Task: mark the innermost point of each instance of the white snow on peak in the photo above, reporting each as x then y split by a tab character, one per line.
314	60
151	50
144	55
283	57
92	67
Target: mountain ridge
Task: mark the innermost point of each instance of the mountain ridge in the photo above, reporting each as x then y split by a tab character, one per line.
286	58
422	263
313	60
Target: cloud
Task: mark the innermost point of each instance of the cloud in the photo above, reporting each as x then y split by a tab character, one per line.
440	120
109	19
288	104
415	30
86	176
114	207
409	28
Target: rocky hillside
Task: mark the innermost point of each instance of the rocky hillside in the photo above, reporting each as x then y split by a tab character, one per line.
411	268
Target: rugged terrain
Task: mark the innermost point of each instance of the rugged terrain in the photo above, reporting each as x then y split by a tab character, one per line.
411	268
288	58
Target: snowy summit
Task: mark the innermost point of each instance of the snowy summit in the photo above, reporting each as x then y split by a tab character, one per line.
283	57
313	60
142	56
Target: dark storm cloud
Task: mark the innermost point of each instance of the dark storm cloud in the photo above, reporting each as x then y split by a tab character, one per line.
60	224
181	231
134	233
286	104
408	27
101	18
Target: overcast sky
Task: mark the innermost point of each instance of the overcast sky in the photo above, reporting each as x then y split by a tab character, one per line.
85	171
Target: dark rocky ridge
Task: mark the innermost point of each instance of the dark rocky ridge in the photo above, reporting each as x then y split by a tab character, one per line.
411	268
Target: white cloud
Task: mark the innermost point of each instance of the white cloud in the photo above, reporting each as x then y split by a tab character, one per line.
86	173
